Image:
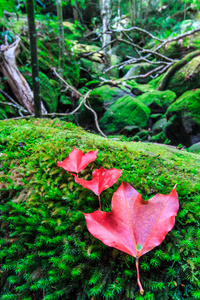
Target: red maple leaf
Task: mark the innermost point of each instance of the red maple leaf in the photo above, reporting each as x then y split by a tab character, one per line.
77	161
102	179
134	226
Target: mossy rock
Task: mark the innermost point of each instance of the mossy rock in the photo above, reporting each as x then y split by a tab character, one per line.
123	51
101	98
91	66
80	49
138	89
43	230
194	148
187	102
158	138
136	70
158	101
177	50
159	125
184	119
125	111
186	78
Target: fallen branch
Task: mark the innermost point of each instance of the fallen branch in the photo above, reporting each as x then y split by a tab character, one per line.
67	84
83	101
146	55
13	103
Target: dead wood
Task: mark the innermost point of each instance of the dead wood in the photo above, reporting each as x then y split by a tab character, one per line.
16	81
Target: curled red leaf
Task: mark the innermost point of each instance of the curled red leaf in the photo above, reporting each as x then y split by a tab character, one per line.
77	161
102	179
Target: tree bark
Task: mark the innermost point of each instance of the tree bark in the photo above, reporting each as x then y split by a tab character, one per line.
16	81
61	38
106	37
34	57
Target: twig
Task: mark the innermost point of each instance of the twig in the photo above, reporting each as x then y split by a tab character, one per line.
83	101
13	103
141	30
96	119
67	85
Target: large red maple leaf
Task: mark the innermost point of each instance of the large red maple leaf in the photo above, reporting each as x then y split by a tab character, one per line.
134	226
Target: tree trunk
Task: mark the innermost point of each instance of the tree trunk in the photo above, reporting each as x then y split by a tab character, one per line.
61	38
106	37
34	57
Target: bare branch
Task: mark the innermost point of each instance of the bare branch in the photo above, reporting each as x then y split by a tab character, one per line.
67	85
140	30
95	118
13	103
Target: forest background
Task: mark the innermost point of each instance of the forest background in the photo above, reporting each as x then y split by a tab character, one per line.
147	50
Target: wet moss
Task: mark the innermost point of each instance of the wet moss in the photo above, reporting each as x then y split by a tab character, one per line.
125	111
43	232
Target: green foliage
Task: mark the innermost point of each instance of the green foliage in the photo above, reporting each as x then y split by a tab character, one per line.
46	251
8	5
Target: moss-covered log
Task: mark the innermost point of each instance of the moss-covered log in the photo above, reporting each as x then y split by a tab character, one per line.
176	66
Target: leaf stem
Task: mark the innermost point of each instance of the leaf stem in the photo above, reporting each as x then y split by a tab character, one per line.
99	201
138	276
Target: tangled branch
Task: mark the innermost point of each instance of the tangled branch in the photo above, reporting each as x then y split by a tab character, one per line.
161	62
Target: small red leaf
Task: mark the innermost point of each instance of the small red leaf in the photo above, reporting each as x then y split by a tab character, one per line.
134	226
102	179
77	161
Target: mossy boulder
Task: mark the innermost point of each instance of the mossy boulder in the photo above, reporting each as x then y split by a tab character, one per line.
138	89
186	78
101	98
159	125
136	70
177	49
46	250
157	101
82	49
125	111
91	66
184	119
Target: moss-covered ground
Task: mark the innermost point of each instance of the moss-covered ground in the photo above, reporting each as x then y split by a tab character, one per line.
46	251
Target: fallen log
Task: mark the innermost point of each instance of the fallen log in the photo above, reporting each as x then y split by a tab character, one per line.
15	79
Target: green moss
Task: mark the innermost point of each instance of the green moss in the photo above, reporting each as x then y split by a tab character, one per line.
100	98
186	78
6	110
156	82
49	88
125	111
49	92
143	88
160	98
172	50
159	125
43	232
158	138
188	102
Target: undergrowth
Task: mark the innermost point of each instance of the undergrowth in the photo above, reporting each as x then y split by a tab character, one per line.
46	251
